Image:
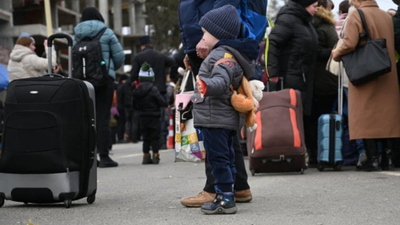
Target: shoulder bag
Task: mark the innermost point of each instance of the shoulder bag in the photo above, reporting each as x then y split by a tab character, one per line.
368	61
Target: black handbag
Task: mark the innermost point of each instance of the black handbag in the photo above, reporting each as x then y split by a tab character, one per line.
368	61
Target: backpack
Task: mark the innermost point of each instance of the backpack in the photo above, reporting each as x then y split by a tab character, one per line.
253	15
87	60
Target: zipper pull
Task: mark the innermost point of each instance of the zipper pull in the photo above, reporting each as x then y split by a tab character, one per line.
84	67
304	77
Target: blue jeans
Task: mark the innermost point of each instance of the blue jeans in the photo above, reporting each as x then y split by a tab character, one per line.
220	154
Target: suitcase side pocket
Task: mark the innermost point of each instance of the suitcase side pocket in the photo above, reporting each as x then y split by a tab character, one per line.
32	143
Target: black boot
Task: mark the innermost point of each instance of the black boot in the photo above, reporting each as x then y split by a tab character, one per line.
156	158
147	159
386	161
371	149
106	161
223	203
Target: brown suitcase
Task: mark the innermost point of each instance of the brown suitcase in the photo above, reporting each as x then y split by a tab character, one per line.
277	145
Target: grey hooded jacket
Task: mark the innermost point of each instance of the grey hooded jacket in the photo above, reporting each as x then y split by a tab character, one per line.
215	110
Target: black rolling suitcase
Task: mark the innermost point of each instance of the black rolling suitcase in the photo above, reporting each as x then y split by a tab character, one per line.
49	152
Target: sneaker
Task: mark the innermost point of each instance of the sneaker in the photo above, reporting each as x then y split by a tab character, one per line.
156	158
106	161
147	159
243	196
198	200
223	203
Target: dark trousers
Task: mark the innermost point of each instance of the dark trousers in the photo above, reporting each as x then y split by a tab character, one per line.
241	174
132	124
121	123
220	155
371	146
150	129
104	97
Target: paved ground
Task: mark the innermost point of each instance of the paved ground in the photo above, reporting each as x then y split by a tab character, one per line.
150	194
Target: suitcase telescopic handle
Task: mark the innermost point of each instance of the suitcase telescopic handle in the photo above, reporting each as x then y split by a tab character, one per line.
50	45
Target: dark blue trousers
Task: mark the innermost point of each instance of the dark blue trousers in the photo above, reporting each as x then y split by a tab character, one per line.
220	154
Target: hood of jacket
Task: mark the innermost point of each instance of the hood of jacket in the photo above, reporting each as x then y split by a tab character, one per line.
323	16
295	9
245	52
89	28
142	90
19	52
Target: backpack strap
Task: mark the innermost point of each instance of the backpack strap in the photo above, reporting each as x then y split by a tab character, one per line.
101	32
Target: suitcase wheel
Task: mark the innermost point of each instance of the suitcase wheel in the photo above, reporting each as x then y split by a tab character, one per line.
2	202
321	167
67	203
91	198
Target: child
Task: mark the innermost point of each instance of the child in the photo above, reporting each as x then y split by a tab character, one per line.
148	100
213	112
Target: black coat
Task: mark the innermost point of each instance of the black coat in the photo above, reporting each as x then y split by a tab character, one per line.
148	100
293	51
325	83
124	95
158	61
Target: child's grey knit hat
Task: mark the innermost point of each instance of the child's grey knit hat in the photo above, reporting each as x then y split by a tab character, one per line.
222	23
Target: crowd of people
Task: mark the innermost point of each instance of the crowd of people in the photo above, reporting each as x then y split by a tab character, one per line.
306	35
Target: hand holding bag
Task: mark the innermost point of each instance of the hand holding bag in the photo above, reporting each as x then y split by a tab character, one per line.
189	145
332	66
368	61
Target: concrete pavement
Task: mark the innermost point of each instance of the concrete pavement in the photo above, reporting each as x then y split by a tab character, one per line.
150	194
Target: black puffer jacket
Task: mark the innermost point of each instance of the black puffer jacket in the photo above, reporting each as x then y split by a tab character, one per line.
148	100
293	51
325	83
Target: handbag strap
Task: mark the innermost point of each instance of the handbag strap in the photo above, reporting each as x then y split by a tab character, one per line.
362	16
185	78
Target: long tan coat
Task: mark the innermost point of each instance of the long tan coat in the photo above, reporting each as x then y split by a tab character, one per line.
374	107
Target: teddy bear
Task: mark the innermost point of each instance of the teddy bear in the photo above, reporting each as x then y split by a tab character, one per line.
245	100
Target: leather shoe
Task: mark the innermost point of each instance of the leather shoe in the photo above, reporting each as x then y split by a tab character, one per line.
198	200
243	196
106	161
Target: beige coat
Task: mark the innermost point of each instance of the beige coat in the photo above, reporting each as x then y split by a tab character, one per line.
24	63
374	107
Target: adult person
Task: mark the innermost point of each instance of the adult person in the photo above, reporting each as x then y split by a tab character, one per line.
190	13
344	11
159	62
91	24
325	83
292	54
25	63
373	115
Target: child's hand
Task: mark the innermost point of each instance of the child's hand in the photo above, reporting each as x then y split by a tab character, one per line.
199	86
202	50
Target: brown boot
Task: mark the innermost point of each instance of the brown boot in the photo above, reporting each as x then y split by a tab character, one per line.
199	200
243	196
